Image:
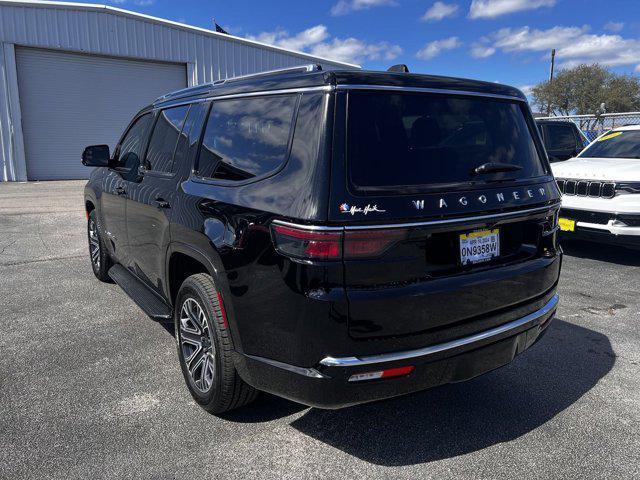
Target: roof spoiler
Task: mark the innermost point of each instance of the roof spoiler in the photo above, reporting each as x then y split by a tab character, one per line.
399	68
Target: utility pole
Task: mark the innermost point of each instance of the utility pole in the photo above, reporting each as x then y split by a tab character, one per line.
553	62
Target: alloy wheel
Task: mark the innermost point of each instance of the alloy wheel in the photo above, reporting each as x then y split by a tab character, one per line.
94	243
196	344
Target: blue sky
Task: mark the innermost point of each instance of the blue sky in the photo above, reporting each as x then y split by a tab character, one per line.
496	40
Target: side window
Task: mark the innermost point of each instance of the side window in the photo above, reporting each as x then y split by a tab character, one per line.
164	138
182	147
133	143
560	137
246	138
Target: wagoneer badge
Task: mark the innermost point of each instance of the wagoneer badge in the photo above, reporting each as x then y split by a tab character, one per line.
466	201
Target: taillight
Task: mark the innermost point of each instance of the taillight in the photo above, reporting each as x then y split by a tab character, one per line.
550	223
310	244
370	243
305	243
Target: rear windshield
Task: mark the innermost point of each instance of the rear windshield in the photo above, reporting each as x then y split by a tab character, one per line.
621	144
397	140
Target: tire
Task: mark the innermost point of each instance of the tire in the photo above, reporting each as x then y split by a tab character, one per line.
98	255
205	348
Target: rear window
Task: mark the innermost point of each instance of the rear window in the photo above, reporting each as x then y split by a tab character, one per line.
559	137
422	140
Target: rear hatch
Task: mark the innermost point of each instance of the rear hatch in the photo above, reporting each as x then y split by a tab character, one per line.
448	204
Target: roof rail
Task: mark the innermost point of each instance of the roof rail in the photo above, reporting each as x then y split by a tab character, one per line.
207	87
268	73
185	92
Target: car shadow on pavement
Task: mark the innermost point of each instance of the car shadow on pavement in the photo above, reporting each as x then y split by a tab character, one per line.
461	418
603	252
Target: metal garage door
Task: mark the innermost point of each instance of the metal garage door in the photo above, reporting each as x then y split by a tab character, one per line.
72	100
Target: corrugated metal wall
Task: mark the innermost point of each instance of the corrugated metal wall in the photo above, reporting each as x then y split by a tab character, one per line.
109	31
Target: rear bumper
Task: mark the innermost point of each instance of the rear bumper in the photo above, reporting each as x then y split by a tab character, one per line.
327	385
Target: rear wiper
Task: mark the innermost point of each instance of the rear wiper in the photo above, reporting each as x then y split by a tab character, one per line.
494	167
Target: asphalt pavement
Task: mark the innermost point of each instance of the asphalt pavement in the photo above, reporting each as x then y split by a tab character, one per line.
91	388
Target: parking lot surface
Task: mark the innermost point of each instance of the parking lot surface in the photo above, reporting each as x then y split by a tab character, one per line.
91	387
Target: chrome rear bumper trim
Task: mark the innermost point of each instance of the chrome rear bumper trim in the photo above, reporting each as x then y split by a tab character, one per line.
426	223
548	308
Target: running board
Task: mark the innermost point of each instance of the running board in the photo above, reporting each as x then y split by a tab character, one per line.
146	299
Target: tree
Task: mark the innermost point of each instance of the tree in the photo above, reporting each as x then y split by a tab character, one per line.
581	90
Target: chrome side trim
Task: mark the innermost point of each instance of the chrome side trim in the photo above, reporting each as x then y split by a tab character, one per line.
394	88
549	307
314	228
307	372
448	221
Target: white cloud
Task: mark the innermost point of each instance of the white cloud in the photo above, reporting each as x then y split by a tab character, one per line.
299	42
496	8
344	7
608	50
317	41
574	45
144	3
614	26
356	51
524	38
482	51
440	10
435	48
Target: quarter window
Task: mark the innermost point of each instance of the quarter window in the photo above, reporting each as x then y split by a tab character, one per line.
165	138
246	138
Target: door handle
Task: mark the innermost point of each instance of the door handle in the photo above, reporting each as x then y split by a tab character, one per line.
121	191
161	203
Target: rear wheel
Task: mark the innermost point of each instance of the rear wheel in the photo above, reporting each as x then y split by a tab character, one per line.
100	260
205	348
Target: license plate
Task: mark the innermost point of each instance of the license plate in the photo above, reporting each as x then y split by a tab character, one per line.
479	246
567	225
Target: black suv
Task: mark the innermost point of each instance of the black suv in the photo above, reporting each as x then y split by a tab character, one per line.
562	139
333	237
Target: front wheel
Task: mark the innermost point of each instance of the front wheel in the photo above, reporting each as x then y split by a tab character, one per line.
100	260
205	348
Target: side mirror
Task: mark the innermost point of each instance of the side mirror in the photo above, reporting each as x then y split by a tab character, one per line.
96	156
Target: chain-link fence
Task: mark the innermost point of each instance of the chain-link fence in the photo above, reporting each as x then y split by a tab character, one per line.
594	125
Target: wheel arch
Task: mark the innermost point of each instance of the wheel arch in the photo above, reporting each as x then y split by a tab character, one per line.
90	200
196	261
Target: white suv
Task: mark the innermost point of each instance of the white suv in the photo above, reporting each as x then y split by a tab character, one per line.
601	189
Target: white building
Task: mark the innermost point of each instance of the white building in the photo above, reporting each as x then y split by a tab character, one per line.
74	74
